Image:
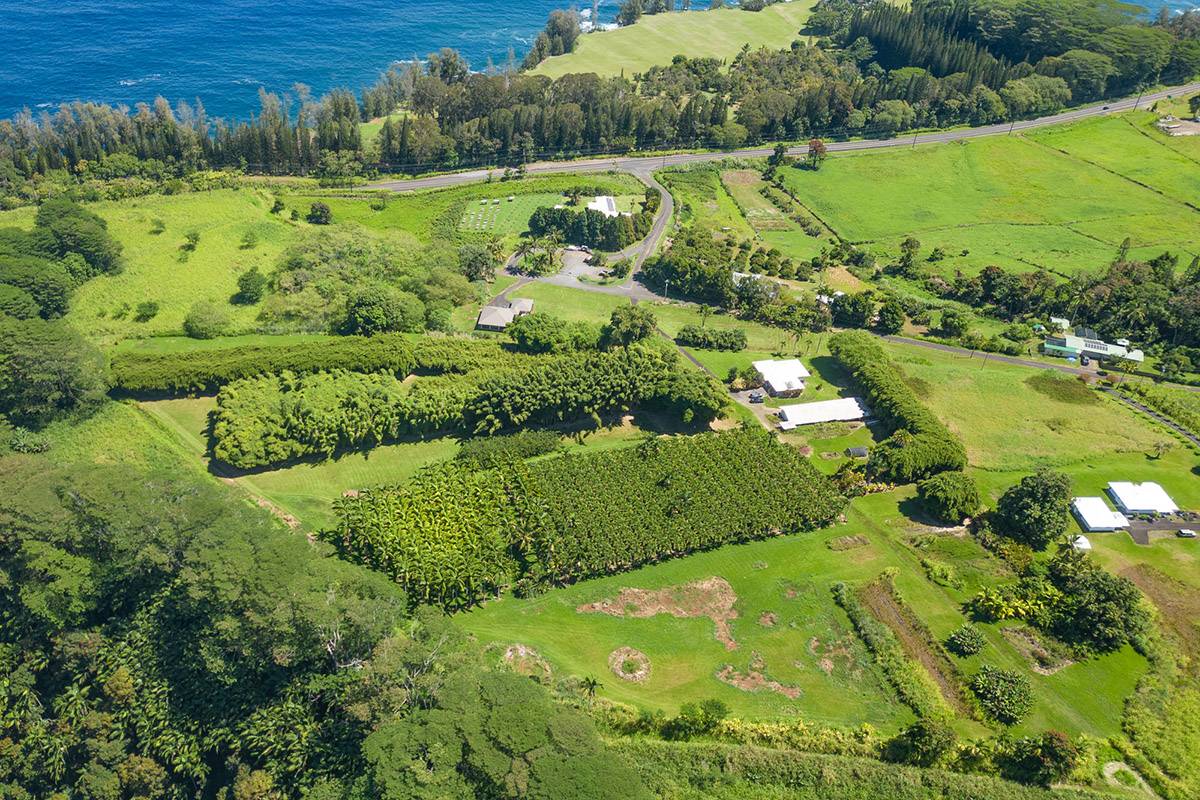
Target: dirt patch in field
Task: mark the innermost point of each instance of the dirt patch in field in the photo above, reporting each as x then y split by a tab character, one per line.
524	660
830	456
1041	660
712	597
768	619
880	602
629	664
847	543
1177	603
755	680
829	654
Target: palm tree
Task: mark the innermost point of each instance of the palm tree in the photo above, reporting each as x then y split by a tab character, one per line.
524	248
590	684
705	310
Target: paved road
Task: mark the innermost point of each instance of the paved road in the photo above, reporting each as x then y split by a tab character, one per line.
644	165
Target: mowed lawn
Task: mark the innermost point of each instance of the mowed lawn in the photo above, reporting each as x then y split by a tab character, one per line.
1012	201
773	227
655	39
157	270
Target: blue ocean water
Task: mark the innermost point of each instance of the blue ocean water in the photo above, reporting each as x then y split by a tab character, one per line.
222	51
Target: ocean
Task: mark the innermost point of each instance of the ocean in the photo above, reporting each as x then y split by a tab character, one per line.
222	51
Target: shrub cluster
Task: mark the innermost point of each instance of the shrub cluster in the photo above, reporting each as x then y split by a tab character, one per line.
711	339
966	640
1006	695
950	496
573	517
485	451
920	445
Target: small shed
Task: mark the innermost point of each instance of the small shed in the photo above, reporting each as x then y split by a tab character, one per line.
494	318
521	305
845	409
782	378
857	452
1141	498
1094	515
1081	543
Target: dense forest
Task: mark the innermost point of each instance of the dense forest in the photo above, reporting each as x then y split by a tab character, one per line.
871	69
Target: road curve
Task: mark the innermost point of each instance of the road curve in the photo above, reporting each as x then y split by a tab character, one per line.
642	166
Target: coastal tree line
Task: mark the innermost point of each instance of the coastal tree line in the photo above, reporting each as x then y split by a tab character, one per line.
871	69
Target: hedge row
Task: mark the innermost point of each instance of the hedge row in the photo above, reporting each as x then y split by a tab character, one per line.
672	769
209	369
711	339
272	419
919	445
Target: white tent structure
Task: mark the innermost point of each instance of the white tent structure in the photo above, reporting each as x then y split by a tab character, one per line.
1093	515
782	377
842	410
1141	498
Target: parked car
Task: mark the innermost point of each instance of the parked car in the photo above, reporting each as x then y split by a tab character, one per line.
1084	360
1186	533
757	397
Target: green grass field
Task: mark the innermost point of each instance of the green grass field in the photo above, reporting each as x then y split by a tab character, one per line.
417	212
1015	201
655	39
770	224
701	198
104	307
572	305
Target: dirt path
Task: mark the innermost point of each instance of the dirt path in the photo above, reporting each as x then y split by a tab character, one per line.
1110	777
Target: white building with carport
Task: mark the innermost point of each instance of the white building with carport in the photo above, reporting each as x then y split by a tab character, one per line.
845	409
1094	515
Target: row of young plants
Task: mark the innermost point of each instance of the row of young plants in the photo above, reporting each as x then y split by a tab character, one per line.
919	445
210	368
1179	405
272	419
456	536
914	687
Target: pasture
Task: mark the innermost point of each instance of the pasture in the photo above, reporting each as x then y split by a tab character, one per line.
1016	201
655	39
159	269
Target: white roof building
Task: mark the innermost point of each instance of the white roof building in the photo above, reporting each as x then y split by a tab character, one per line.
841	410
782	377
1141	498
1094	514
1061	323
1081	543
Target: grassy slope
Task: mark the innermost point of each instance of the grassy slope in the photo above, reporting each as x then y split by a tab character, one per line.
1012	201
153	271
655	39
